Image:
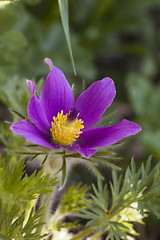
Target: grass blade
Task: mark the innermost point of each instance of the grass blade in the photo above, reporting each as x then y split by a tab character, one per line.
63	6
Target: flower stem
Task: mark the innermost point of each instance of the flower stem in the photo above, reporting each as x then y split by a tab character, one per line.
46	202
121	209
127	205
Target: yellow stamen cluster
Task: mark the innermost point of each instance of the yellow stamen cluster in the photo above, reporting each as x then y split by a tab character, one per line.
64	132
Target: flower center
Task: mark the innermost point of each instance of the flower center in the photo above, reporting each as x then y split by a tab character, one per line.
66	128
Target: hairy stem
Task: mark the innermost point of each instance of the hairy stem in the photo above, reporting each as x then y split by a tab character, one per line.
46	202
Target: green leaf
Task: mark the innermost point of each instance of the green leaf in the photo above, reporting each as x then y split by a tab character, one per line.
96	171
63	6
103	160
18	114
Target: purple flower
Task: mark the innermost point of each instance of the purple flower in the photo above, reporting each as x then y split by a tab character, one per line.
61	122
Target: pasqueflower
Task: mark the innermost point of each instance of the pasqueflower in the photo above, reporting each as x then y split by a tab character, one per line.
61	122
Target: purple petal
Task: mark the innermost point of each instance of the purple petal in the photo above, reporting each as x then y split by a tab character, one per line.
94	101
86	152
31	85
31	133
104	136
56	94
37	115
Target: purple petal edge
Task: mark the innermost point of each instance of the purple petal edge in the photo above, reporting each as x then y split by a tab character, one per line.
37	115
85	152
31	133
94	101
56	93
104	136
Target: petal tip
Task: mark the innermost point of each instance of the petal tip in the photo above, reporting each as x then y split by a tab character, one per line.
31	85
11	127
111	84
49	62
85	152
135	126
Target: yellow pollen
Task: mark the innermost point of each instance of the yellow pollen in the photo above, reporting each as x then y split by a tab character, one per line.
64	132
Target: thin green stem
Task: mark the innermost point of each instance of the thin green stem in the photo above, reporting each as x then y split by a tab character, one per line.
121	209
83	234
125	206
96	235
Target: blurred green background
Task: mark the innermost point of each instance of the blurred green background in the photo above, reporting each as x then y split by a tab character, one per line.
115	38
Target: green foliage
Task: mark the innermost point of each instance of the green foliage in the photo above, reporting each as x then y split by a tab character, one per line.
12	46
120	36
41	38
9	17
15	94
11	143
74	198
18	186
92	37
15	225
18	193
131	198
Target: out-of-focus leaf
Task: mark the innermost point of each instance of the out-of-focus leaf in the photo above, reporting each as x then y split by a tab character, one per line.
7	18
12	44
145	99
15	94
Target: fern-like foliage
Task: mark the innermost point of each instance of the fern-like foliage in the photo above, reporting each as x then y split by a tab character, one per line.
129	200
14	187
18	194
18	227
74	198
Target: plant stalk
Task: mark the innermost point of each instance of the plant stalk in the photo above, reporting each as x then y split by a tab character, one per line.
46	203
